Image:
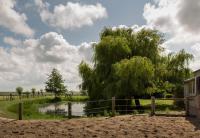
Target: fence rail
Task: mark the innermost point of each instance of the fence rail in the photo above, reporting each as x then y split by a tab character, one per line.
153	106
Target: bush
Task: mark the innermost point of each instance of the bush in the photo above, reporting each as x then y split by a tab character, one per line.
56	99
168	95
179	94
106	113
19	90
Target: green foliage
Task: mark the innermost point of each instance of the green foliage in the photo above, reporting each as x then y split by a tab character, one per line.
168	95
116	50
133	76
56	99
105	113
41	91
55	83
128	63
90	83
19	91
33	91
179	70
86	73
83	93
177	66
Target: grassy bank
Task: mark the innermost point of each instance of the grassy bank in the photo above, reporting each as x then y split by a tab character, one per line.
9	109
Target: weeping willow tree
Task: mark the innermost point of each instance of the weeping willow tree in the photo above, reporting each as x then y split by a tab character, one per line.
128	63
117	52
178	70
133	77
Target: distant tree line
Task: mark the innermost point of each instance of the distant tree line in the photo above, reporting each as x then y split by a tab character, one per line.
21	93
54	84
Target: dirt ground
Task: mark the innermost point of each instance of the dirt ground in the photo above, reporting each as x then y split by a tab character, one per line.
115	127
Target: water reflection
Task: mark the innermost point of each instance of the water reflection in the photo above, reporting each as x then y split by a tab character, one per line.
62	109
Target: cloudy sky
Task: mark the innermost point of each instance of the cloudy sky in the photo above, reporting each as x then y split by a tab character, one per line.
38	35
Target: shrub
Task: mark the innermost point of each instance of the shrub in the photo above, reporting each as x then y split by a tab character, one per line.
56	99
168	95
19	90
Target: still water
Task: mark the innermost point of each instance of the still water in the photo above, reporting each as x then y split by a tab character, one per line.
62	109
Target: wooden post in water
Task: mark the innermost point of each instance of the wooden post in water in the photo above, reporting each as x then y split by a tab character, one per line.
152	105
20	110
69	110
113	106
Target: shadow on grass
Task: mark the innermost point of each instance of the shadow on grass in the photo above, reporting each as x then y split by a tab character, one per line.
161	110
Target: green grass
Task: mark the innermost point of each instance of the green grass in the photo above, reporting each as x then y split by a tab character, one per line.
4	112
30	109
147	102
162	106
75	98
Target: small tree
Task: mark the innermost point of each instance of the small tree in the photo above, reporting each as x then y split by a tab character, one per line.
41	92
19	91
33	90
27	94
55	83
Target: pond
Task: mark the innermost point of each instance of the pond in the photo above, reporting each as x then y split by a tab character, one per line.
62	109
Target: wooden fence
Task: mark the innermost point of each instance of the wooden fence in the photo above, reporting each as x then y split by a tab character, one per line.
153	106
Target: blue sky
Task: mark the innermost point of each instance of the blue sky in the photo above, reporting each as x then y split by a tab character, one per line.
38	35
128	13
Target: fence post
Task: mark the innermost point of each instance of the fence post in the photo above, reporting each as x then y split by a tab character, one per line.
187	106
152	105
10	97
20	111
69	110
113	106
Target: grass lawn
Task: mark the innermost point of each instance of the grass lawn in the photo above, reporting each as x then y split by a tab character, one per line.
4	112
162	106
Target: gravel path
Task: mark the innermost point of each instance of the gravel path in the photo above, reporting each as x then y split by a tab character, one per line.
115	127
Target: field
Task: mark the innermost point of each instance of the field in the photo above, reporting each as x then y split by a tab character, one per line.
110	127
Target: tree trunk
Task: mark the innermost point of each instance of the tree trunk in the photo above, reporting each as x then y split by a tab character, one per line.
137	103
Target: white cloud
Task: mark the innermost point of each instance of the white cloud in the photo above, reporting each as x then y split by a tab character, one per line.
179	19
13	20
134	27
12	41
71	15
28	65
85	50
188	15
54	48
